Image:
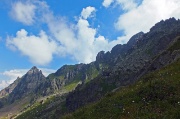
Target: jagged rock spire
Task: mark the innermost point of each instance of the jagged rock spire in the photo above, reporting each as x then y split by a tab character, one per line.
34	70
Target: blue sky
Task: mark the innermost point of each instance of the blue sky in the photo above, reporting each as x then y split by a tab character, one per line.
49	34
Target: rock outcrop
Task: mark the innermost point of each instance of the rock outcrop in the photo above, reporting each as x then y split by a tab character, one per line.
28	84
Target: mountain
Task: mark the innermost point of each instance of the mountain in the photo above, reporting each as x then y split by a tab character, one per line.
10	88
24	85
28	85
155	95
126	63
151	96
24	90
156	92
74	86
79	73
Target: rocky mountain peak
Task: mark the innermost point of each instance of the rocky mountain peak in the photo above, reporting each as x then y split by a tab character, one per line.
134	39
34	70
100	56
164	24
29	84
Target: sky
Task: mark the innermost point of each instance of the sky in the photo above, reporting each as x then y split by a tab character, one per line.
49	34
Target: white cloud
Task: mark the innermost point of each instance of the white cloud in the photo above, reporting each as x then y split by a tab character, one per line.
8	77
46	71
4	84
143	17
77	40
39	49
23	12
81	41
13	74
107	3
127	4
87	12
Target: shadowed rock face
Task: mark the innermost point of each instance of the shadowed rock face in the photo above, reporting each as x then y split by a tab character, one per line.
28	84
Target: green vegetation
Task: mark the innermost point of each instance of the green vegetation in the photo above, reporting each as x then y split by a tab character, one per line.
3	117
71	86
46	107
176	45
154	96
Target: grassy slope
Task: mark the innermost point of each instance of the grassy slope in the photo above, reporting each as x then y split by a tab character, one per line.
46	108
156	95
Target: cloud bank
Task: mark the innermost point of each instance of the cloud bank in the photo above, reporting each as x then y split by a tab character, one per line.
142	17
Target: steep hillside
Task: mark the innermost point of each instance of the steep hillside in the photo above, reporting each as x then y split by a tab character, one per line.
73	74
28	85
23	91
126	63
155	95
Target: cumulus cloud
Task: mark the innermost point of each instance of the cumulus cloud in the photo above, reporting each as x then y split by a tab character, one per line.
8	77
127	4
80	41
107	3
143	17
87	12
77	40
39	49
23	12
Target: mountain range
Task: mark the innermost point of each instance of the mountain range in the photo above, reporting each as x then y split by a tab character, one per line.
74	89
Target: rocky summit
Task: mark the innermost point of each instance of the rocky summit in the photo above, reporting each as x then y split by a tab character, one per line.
131	70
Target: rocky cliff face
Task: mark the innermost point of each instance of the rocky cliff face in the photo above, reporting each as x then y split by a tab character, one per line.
126	63
170	55
27	85
73	73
